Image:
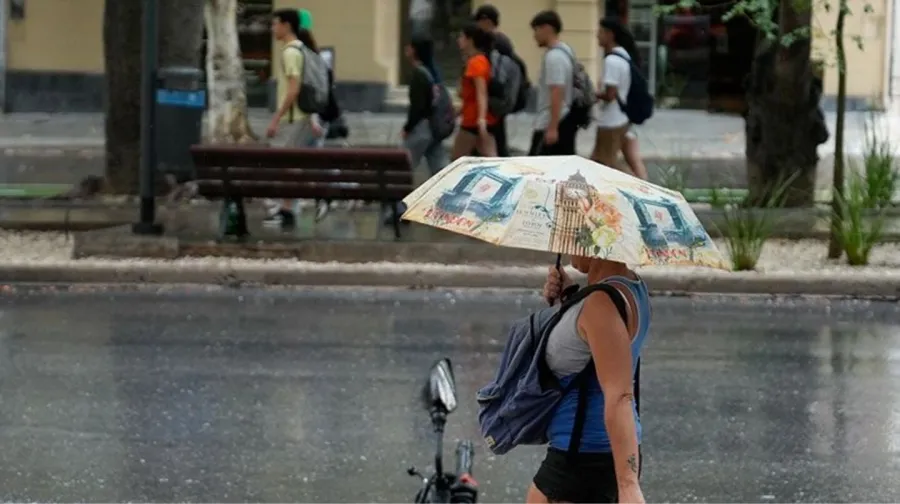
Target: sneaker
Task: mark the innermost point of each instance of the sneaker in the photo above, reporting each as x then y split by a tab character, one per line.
280	217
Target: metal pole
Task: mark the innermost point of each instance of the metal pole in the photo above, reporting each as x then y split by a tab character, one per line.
147	224
4	9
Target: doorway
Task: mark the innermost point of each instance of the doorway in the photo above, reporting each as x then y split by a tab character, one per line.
447	17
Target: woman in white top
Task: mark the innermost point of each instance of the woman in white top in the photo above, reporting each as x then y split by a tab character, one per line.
612	124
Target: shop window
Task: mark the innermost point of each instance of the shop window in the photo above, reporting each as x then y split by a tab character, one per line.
703	61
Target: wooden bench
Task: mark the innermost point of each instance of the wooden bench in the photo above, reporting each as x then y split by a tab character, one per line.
232	173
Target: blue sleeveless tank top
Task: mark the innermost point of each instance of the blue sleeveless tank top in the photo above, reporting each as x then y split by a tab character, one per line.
595	438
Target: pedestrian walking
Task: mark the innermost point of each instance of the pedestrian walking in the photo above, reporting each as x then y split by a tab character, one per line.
632	154
323	120
596	341
417	133
476	122
306	129
488	19
421	134
623	100
555	126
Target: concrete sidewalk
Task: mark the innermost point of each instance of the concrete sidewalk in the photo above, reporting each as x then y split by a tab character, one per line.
430	276
708	148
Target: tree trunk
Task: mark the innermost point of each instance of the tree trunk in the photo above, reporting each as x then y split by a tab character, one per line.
180	35
227	120
122	49
180	32
785	123
837	184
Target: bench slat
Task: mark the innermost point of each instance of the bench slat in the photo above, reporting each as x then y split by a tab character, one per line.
392	159
247	189
304	175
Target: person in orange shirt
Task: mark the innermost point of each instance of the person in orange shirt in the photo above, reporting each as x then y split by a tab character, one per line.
476	125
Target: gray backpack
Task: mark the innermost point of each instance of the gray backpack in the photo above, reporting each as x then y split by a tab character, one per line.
314	88
503	89
584	94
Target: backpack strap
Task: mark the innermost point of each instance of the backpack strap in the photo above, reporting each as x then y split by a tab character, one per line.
583	377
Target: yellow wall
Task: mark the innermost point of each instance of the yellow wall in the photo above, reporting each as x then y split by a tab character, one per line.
67	36
364	34
57	35
866	69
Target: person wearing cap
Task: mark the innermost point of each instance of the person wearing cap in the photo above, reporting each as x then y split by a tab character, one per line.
306	21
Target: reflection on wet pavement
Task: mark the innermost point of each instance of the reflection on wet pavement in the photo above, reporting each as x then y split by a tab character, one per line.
284	395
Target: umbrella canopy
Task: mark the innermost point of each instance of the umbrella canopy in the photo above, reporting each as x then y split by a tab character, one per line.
567	205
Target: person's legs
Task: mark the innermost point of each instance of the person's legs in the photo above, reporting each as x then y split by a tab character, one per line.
568	131
418	142
499	131
486	145
537	142
632	155
608	144
463	143
436	157
300	134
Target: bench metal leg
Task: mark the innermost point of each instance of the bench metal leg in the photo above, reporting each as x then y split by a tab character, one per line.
395	217
233	219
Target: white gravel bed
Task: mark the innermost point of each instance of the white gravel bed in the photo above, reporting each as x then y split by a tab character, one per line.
779	257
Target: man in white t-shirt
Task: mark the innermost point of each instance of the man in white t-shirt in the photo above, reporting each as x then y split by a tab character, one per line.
612	123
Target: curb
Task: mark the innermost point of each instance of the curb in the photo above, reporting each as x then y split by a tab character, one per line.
418	276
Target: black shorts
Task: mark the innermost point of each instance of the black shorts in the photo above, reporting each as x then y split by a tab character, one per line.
588	477
491	129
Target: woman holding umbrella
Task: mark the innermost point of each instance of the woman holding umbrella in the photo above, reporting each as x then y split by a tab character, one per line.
607	464
606	221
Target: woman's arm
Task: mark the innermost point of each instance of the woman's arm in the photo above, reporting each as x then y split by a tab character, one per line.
610	343
481	95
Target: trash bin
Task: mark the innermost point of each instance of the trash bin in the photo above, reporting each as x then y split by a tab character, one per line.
180	103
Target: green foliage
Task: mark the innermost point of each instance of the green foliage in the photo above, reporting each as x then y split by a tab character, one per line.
761	14
746	230
858	228
673	176
880	169
717	198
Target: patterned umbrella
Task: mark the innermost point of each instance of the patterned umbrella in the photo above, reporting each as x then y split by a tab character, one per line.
567	205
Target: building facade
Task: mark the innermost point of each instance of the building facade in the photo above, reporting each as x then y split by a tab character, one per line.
51	51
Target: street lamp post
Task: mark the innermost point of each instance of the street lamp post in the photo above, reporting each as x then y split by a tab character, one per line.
147	224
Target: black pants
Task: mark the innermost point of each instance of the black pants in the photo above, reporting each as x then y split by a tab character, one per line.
498	131
565	144
586	477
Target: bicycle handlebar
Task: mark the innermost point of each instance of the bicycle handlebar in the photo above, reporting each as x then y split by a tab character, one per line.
465	452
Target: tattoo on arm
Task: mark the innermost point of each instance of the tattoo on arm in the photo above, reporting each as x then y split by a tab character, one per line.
633	463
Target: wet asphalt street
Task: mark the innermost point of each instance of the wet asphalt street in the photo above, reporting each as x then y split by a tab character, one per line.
173	395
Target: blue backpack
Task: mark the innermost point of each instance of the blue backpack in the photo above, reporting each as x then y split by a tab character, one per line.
517	406
638	106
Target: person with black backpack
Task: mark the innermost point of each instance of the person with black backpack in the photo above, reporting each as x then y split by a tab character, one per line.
625	97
